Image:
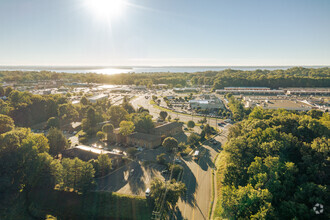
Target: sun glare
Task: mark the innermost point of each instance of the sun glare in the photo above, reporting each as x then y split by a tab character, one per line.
106	9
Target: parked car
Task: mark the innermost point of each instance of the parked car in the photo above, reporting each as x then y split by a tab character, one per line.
148	192
177	160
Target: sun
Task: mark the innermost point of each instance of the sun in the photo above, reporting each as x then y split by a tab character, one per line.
106	9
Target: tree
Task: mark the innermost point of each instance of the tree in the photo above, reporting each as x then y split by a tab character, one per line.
100	135
6	123
127	106
170	143
78	174
2	91
132	151
193	139
8	90
103	165
84	100
67	113
163	115
108	130
161	158
126	128
53	122
169	118
248	203
57	141
176	169
89	123
202	121
37	141
143	122
117	114
208	130
191	124
174	191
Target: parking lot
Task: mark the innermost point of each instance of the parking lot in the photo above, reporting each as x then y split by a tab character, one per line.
135	177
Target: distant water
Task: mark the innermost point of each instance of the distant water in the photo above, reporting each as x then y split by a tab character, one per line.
118	70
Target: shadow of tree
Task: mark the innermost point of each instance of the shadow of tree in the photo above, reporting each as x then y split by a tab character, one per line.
114	181
205	159
190	181
135	179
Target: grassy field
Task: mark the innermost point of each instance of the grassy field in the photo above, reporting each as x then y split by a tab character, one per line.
94	205
221	166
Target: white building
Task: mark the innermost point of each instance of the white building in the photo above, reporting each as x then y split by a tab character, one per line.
99	97
210	102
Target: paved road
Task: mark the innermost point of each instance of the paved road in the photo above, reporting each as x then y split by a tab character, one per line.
198	179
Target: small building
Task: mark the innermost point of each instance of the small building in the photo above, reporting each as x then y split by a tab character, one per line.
144	140
167	129
100	97
209	102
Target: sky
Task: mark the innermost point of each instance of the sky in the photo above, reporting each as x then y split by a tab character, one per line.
165	32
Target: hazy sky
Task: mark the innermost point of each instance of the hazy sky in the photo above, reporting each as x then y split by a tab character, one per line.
165	32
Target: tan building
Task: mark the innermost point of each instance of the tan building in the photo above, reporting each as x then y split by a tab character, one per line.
149	140
143	140
171	128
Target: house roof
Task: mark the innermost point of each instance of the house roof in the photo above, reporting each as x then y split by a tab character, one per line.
143	136
167	126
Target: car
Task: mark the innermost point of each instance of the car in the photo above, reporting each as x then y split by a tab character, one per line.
165	171
131	171
177	160
148	192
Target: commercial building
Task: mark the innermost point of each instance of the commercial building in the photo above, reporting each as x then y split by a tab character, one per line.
209	102
99	97
250	91
183	90
308	91
152	139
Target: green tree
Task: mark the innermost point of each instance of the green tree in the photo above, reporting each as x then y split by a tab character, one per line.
108	130
117	114
170	143
174	191
161	158
6	123
202	121
208	130
163	115
103	165
2	91
143	122
53	122
126	128
191	124
100	135
193	139
132	151
67	113
57	141
84	100
8	90
127	106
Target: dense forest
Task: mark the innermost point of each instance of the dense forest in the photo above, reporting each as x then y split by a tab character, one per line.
275	165
292	77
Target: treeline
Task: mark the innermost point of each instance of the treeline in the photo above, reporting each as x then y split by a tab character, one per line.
292	77
275	166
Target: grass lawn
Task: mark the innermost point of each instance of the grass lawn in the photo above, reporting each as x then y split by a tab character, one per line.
93	205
